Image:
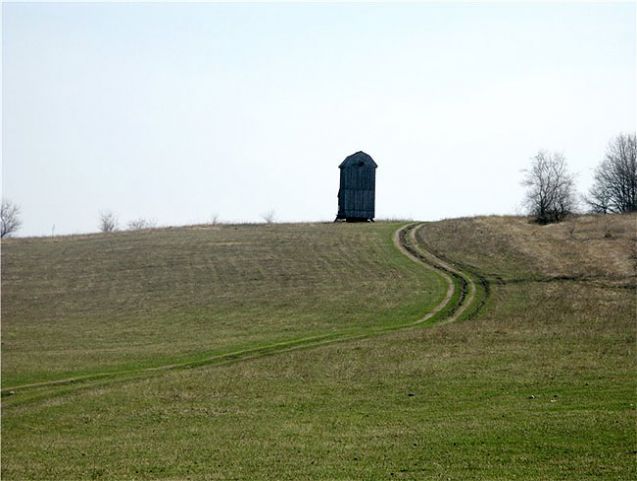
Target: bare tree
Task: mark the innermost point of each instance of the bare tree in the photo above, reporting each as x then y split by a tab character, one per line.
615	184
550	195
10	217
268	217
108	221
141	223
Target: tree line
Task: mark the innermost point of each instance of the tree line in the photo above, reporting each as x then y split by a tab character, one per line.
550	196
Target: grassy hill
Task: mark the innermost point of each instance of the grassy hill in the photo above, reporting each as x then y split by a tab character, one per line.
538	384
99	303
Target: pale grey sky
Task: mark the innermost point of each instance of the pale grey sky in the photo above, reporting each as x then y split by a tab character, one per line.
179	111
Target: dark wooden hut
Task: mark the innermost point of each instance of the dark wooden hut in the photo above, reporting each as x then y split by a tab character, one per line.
356	195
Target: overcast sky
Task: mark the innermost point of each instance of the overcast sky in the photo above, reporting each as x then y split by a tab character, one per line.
177	112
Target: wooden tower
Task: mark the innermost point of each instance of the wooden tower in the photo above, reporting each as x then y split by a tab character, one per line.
356	196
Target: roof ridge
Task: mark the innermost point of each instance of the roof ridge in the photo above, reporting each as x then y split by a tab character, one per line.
360	156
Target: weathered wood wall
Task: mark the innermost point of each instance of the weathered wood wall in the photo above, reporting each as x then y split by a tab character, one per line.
356	196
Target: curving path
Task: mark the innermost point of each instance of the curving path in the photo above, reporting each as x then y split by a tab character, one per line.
405	240
460	295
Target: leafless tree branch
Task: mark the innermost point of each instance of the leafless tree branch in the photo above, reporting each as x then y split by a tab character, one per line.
615	184
10	218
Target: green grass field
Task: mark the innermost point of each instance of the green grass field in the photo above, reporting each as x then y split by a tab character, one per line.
539	384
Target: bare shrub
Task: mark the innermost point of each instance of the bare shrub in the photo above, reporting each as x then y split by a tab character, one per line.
550	193
10	218
141	223
108	221
268	217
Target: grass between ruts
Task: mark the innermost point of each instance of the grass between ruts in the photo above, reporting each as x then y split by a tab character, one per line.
540	384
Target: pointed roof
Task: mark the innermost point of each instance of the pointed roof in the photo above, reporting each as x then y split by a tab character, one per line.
359	158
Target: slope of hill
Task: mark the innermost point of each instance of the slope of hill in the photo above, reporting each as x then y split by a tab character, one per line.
539	384
582	248
98	303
